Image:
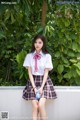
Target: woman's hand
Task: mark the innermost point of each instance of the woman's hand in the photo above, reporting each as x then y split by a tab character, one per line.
35	90
41	90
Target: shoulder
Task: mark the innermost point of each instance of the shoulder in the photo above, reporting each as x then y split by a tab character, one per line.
48	55
28	55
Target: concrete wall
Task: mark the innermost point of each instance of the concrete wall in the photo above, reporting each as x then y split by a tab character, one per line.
65	107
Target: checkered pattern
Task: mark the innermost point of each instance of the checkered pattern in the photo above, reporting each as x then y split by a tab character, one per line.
48	90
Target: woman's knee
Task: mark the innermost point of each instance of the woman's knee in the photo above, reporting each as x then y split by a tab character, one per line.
41	104
35	106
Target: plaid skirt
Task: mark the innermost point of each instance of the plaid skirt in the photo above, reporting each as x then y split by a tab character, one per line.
48	90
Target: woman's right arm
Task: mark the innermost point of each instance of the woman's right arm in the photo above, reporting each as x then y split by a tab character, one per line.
31	78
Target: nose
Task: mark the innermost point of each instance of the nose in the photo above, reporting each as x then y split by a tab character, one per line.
37	45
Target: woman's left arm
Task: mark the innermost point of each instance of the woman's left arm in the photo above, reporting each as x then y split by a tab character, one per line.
44	79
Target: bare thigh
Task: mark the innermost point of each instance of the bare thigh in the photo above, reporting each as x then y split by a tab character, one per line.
34	103
42	102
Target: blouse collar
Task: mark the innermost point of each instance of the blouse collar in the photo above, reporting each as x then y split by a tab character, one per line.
40	52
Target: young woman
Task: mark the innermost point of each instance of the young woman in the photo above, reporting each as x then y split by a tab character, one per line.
39	63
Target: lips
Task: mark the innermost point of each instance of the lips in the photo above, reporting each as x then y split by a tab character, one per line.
37	47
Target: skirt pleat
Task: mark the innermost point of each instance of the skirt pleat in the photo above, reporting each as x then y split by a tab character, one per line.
48	90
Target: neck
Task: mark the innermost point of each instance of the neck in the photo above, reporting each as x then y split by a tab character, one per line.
37	51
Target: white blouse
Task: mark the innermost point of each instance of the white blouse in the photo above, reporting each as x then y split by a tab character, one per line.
44	62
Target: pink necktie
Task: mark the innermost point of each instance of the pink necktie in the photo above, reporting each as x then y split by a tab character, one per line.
37	56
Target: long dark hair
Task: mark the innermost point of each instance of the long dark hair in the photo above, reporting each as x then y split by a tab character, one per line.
44	48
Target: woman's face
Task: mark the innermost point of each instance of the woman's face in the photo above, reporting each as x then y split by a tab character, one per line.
38	44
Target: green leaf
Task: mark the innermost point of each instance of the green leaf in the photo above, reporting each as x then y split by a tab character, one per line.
73	60
21	75
65	60
78	48
77	65
57	54
67	23
55	63
60	68
71	53
77	81
7	14
74	46
2	35
12	18
78	72
60	77
40	30
20	57
68	75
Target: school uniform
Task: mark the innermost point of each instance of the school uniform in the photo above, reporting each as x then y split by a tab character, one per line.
38	63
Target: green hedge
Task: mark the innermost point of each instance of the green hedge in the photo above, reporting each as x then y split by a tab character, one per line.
18	26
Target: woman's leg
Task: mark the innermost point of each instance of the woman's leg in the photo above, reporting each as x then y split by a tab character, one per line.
42	110
34	110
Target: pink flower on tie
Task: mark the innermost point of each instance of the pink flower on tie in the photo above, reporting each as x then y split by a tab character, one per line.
37	56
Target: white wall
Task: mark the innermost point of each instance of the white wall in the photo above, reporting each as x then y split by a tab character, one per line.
65	107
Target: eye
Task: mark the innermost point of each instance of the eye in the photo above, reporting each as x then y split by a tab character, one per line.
39	42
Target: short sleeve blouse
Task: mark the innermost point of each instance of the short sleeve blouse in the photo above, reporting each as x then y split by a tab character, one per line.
44	62
27	62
